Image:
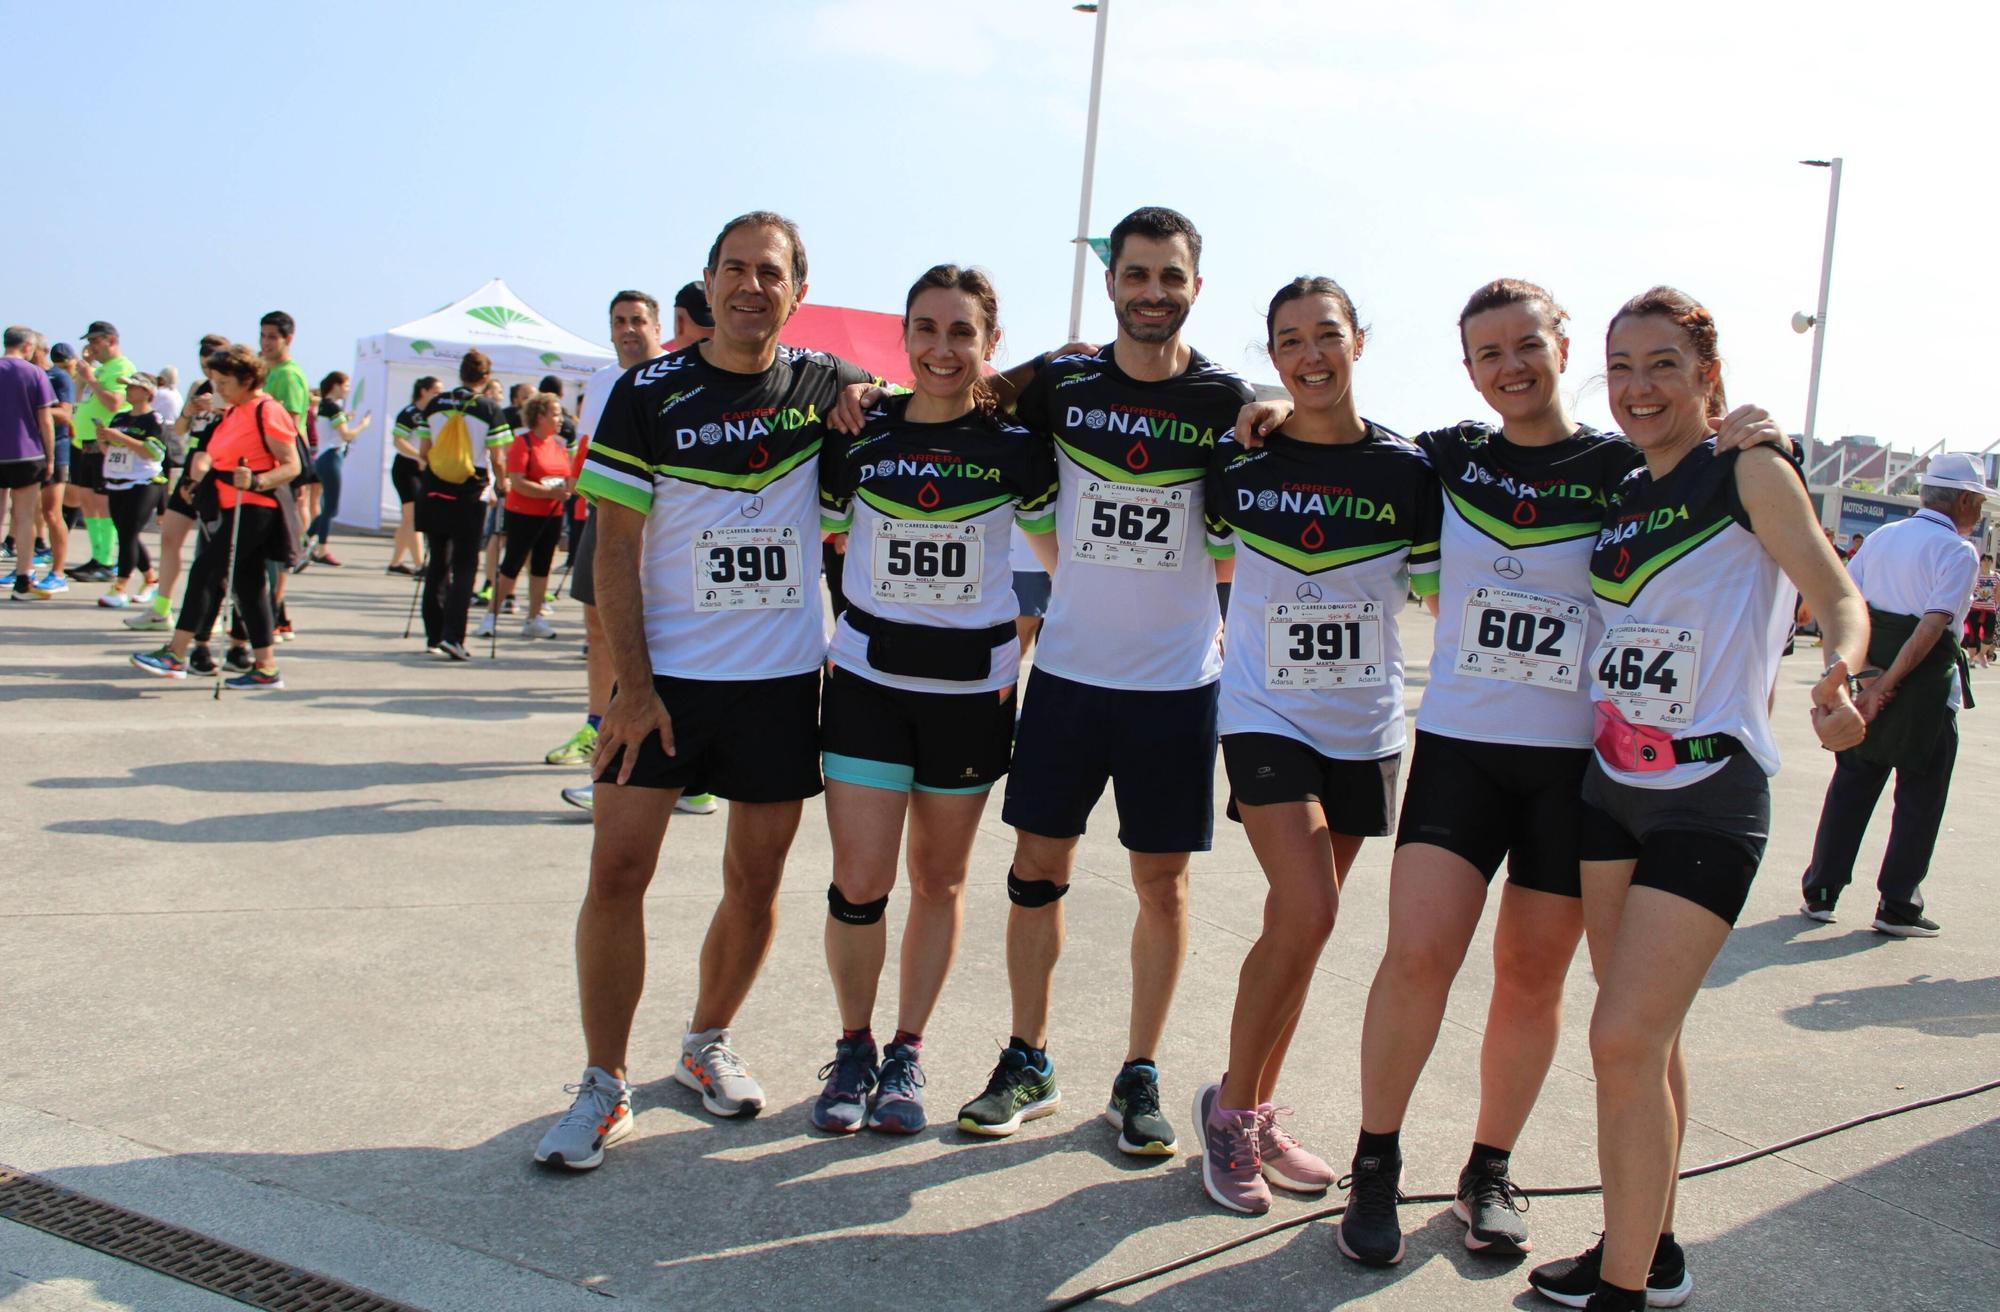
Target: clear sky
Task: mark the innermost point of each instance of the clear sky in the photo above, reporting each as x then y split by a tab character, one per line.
360	164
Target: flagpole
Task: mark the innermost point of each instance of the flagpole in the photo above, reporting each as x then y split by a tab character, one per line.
1103	8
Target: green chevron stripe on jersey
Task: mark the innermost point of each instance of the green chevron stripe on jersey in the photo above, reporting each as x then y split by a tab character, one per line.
1514	535
896	510
1623	591
1318	562
1143	477
754	481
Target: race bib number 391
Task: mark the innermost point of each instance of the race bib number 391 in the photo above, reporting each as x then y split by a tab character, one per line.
1522	637
927	563
1323	644
746	567
1130	526
1649	672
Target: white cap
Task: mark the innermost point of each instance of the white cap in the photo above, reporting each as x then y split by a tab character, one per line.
1956	469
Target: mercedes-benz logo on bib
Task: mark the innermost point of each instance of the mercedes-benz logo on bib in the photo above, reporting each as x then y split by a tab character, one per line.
753	508
1507	567
1309	592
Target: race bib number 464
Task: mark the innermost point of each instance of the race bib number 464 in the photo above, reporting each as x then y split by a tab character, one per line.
1522	637
1323	644
927	563
1131	526
1649	671
744	567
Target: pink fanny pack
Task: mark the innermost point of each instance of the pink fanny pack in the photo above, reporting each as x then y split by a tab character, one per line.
1633	748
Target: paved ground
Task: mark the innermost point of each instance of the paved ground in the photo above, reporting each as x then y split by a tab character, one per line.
294	970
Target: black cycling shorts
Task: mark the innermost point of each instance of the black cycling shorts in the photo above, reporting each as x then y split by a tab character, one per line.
900	739
1703	842
1488	801
1268	769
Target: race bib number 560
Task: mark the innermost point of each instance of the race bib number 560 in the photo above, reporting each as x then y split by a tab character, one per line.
745	567
1648	671
926	563
1130	526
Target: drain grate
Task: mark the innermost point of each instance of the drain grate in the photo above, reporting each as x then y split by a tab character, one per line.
185	1255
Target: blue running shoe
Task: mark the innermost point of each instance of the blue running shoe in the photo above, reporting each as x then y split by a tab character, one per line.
49	585
162	662
843	1105
899	1092
253	680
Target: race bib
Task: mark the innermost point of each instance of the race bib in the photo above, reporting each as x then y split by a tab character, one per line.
1323	644
1522	637
1131	526
1648	671
119	462
747	566
927	563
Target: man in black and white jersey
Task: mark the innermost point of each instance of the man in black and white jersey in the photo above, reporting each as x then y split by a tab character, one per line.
703	476
1124	686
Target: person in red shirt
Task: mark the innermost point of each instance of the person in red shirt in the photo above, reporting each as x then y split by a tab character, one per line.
539	480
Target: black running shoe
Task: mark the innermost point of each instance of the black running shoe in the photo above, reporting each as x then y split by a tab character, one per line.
1572	1280
1904	924
1491	1204
1370	1231
201	661
1135	1110
1016	1092
238	659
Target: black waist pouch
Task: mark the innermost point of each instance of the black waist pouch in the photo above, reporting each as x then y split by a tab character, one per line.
919	651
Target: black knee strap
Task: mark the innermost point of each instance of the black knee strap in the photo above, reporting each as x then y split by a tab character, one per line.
854	913
1033	892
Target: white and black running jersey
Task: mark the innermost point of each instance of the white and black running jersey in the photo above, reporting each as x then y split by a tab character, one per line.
1696	613
1329	540
484	423
410	426
930	510
725	468
1133	602
1515	624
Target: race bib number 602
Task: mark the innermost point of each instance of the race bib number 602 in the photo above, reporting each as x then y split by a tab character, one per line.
1522	637
1130	526
744	567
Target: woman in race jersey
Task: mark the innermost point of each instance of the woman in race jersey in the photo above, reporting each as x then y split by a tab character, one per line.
406	474
918	712
1337	520
334	433
1689	574
134	476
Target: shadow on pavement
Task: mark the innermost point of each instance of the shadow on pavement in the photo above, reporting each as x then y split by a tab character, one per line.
293	776
404	816
1941	1008
1788	940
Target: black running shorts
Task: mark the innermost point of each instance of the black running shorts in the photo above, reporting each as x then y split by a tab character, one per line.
1267	769
750	740
1486	801
899	739
1703	842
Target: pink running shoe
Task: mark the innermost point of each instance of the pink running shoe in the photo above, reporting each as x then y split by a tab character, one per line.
1286	1162
1229	1164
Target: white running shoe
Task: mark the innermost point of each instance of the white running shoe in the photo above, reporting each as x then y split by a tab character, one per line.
538	627
696	804
114	601
579	797
148	619
712	1069
600	1117
485	627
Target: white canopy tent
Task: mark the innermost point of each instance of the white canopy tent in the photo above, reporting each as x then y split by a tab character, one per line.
523	345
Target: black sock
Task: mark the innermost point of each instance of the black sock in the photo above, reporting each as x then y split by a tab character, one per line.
1140	1061
1617	1299
1482	1153
1665	1246
1388	1147
1037	1057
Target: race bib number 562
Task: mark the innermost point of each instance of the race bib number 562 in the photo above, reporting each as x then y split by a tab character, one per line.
1130	526
746	566
1649	672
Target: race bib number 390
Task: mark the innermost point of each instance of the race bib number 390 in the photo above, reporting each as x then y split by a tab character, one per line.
745	567
1649	671
1323	644
927	563
1131	526
1522	637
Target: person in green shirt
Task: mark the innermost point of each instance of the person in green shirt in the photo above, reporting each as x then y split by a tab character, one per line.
101	382
285	383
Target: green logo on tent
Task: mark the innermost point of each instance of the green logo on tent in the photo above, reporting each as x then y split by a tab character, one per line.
550	358
498	315
420	347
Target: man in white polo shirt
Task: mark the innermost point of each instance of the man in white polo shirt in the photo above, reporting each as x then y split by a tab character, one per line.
1916	577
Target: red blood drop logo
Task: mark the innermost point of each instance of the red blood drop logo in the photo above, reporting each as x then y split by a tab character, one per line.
1312	539
1137	458
1624	563
927	496
1524	513
759	457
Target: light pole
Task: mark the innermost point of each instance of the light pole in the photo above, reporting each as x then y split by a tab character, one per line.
1816	323
1103	11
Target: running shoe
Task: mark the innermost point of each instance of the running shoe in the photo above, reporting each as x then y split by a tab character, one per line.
577	750
1135	1109
696	804
1817	908
238	658
486	626
485	593
114	600
507	606
1015	1092
579	797
1370	1231
257	679
326	558
24	588
454	651
201	661
162	662
148	619
1904	924
1572	1280
303	563
712	1069
600	1117
1287	1164
145	595
42	558
90	572
842	1106
1230	1170
283	632
1490	1204
899	1092
538	627
407	571
49	585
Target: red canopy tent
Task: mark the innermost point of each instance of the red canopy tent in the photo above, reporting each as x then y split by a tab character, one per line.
873	341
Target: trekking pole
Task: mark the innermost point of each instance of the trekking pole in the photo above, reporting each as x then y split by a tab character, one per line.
411	619
568	565
229	578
